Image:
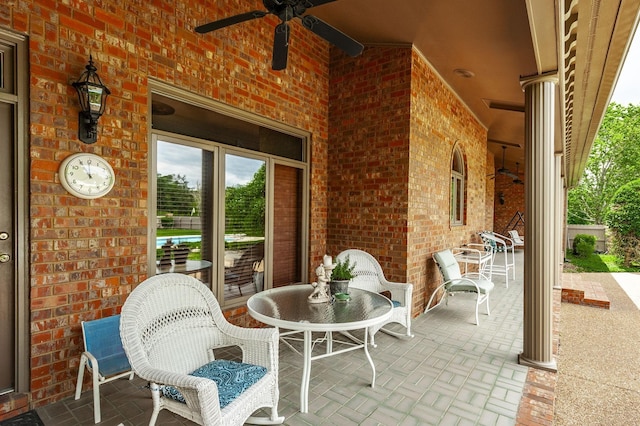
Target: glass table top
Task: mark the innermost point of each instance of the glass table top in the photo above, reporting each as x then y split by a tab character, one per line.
288	307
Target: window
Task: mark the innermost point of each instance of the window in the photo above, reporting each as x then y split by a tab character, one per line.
457	188
237	212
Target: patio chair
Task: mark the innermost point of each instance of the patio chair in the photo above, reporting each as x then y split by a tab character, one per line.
170	326
456	282
103	356
242	271
518	241
369	276
504	257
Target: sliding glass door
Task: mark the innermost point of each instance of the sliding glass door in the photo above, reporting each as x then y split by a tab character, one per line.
233	219
244	225
185	212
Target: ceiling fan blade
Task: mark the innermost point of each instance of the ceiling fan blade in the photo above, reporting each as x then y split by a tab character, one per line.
332	35
225	22
280	47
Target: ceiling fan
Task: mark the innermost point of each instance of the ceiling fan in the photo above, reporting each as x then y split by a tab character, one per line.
517	180
503	170
286	10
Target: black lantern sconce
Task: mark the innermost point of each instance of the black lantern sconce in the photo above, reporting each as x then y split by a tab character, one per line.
92	95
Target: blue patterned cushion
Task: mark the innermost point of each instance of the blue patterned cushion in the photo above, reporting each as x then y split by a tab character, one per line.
232	379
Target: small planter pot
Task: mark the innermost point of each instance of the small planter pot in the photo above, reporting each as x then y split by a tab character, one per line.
341	286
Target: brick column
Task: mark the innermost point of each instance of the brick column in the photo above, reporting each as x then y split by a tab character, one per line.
540	205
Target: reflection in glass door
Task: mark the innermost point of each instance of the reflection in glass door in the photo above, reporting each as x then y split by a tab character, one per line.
184	211
244	226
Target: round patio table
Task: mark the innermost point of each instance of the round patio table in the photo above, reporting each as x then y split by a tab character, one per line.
287	307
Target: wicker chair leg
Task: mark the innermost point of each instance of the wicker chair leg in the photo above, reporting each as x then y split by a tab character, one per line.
155	396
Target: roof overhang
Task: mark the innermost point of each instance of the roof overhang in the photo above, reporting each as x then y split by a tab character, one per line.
483	49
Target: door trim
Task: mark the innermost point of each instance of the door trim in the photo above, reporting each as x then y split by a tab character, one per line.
21	210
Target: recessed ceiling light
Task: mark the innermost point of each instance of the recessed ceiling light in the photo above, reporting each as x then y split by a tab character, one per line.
461	72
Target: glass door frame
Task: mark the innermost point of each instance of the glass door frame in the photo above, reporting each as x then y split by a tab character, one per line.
153	191
218	208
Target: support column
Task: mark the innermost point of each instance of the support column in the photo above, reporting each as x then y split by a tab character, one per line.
540	206
560	220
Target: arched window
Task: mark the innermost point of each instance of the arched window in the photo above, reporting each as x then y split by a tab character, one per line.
457	188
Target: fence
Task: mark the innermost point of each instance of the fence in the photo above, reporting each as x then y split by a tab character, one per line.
181	222
599	231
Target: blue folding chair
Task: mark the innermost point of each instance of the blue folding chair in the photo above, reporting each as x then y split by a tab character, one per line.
104	357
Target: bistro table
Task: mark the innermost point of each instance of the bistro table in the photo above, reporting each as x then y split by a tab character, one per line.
475	254
287	307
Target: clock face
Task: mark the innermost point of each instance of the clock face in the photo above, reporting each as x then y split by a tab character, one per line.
86	175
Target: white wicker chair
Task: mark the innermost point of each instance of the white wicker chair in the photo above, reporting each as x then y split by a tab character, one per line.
169	326
369	276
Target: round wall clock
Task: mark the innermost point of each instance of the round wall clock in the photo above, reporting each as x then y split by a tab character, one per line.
86	175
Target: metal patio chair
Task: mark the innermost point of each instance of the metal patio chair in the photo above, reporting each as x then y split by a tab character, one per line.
518	241
504	257
455	282
103	356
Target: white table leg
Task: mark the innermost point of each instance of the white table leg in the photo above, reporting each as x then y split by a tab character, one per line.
366	351
306	373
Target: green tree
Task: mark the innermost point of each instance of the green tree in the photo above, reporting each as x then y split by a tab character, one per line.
174	195
614	160
245	206
624	223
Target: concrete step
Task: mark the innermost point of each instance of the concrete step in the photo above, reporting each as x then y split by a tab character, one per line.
579	291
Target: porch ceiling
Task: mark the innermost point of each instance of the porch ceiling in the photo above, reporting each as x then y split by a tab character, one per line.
500	41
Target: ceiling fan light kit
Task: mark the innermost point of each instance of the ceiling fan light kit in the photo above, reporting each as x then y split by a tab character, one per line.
286	10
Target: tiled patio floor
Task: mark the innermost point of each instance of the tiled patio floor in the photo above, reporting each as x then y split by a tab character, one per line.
451	373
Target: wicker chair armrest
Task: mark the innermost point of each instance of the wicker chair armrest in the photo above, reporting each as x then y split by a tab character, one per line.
165	377
400	292
198	392
259	345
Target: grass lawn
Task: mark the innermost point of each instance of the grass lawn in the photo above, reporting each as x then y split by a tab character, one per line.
596	263
169	232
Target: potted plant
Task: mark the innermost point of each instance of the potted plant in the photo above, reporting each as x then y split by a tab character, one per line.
341	275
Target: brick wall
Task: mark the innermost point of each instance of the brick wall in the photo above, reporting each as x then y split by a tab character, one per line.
513	196
393	126
440	122
86	256
369	155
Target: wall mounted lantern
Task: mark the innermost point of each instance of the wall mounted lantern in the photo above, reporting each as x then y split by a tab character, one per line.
93	99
